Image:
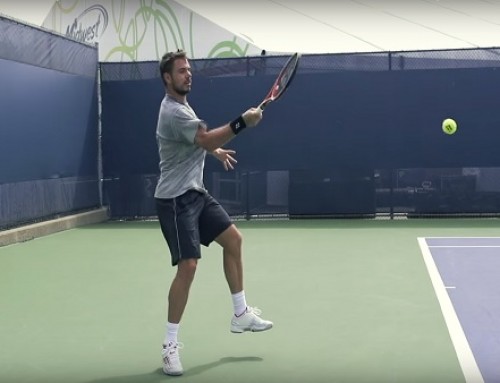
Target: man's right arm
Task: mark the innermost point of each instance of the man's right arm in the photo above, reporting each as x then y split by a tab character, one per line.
218	137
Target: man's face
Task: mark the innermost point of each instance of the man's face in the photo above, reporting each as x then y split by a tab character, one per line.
180	80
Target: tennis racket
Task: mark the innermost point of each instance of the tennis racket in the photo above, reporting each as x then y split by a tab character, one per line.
282	81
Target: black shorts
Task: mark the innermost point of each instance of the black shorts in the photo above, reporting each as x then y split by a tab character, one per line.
189	220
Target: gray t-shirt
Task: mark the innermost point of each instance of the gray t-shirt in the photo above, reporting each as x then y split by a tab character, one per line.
181	160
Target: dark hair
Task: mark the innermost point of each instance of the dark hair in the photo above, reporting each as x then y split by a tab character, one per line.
167	62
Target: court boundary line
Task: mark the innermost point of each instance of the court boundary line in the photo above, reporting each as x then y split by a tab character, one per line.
464	353
494	237
464	246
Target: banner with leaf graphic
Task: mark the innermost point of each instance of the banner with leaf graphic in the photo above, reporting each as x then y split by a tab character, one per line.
142	30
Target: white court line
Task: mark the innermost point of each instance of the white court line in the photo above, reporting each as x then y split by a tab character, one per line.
465	356
464	246
462	237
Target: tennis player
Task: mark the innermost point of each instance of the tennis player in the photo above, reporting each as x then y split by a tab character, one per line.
188	214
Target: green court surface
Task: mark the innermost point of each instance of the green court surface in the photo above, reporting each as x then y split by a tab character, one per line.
351	301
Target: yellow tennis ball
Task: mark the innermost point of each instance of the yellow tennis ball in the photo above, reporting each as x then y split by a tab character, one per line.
449	126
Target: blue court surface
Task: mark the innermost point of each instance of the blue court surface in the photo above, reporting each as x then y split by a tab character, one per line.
465	276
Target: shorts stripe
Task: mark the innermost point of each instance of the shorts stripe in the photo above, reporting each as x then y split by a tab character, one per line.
177	230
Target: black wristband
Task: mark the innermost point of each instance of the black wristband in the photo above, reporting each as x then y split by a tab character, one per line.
238	125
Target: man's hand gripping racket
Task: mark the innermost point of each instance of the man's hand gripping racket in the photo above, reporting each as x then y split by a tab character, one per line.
253	115
283	81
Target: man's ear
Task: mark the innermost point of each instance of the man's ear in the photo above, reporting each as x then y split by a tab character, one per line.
167	78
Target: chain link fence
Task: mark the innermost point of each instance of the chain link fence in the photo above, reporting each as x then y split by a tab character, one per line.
317	63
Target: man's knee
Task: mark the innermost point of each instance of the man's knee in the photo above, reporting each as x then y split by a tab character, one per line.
186	269
236	238
231	239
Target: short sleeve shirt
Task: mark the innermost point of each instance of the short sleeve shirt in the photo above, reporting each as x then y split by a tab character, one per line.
181	160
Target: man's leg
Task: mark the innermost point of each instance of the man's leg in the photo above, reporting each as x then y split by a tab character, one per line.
245	318
178	221
231	242
179	289
177	300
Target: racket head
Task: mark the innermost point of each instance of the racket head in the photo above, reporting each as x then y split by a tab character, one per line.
283	80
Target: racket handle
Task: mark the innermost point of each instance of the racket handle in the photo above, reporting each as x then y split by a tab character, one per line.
263	105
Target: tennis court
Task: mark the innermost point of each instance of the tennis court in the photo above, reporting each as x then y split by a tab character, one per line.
352	301
467	288
381	266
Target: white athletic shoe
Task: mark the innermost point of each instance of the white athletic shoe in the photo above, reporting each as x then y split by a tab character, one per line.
250	321
171	361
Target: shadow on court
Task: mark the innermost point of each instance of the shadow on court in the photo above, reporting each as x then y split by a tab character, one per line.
159	376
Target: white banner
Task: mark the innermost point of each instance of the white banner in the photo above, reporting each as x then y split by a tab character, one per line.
143	30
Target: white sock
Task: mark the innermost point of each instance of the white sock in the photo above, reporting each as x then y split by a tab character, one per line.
239	303
172	330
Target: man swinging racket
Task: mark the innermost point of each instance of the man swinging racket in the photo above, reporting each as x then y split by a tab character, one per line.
189	216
